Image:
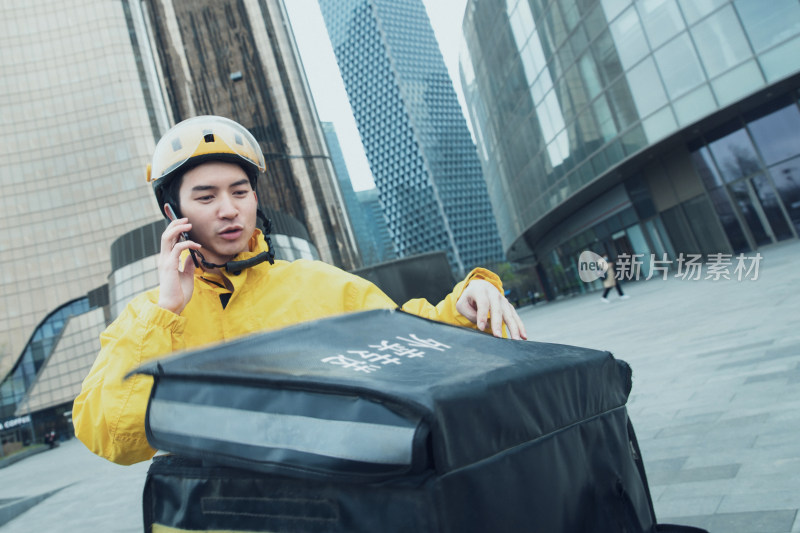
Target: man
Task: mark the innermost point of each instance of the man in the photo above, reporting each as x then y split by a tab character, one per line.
218	281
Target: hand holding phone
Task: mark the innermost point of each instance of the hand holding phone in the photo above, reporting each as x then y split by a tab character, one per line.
184	236
176	285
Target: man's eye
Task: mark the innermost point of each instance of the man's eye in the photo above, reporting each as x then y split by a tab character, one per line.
241	193
204	198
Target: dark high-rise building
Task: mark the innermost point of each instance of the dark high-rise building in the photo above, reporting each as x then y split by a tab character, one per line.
653	128
238	59
416	139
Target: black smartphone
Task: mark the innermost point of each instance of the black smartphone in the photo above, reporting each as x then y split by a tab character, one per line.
184	236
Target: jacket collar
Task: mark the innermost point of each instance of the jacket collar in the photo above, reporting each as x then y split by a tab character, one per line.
256	245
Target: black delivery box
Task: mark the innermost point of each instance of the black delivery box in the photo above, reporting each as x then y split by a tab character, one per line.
385	422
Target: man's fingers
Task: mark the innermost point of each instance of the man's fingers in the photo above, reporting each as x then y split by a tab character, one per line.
467	309
482	305
497	312
481	302
509	317
515	326
171	259
171	243
173	233
184	245
520	326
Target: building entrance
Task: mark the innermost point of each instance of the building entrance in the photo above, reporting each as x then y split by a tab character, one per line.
750	168
15	433
758	205
622	245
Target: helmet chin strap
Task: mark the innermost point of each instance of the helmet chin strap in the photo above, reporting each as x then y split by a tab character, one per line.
236	267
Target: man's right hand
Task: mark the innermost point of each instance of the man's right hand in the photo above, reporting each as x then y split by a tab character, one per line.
176	281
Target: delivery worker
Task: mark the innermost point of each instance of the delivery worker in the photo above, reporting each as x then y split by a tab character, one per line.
218	280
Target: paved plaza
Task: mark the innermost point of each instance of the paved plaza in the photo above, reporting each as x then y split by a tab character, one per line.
716	388
715	403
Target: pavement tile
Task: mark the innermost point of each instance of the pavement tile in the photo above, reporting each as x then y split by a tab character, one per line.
779	460
761	501
785	413
788	436
757	461
661	448
725	425
689	416
690	475
673	464
705	397
754	483
728	351
770	355
657	492
748	522
784	350
704	505
699	489
787	374
741	332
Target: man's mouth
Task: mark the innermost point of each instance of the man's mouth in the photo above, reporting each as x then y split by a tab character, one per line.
231	233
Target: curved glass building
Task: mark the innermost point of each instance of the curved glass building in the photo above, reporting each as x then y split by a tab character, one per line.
86	89
77	130
650	127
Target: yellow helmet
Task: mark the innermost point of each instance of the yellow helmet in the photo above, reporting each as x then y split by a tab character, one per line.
197	140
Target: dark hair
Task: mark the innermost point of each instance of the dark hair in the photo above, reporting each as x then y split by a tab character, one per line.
172	194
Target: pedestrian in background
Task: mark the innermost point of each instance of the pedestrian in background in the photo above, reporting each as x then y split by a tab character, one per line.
610	281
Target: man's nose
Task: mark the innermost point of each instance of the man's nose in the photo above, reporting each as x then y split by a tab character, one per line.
227	207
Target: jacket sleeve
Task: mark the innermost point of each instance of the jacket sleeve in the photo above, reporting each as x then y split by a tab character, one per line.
445	311
109	412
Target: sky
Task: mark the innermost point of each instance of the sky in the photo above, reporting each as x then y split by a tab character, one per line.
326	83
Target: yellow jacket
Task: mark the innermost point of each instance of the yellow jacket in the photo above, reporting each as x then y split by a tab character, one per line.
109	413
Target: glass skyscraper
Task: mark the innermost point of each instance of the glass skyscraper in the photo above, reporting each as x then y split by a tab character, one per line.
416	139
377	228
651	127
361	217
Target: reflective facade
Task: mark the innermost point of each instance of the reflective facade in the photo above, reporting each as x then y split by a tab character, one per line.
77	132
376	224
86	89
416	139
666	120
365	225
59	382
37	351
